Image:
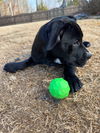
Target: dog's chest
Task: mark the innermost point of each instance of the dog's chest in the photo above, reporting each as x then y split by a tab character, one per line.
58	61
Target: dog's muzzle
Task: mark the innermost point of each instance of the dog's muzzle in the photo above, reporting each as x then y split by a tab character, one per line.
82	61
88	55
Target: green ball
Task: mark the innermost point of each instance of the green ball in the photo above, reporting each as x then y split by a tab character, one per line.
59	88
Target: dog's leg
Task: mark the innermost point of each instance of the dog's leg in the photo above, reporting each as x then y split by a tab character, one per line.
15	66
73	80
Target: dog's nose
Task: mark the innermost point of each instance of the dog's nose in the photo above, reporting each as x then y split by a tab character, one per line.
86	44
88	55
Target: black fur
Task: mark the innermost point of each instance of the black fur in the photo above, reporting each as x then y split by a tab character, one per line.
60	38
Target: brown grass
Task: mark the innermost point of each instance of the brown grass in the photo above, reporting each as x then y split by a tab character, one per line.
24	104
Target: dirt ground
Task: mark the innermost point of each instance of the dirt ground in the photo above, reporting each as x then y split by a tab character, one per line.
25	106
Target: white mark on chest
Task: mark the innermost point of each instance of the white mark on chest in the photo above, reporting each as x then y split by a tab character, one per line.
58	61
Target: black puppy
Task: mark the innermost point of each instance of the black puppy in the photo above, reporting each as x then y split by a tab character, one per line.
58	41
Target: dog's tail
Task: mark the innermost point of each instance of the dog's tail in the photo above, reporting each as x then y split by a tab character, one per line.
15	66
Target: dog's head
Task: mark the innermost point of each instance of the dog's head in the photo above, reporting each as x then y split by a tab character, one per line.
66	42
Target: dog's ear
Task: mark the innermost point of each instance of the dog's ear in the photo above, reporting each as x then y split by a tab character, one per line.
55	30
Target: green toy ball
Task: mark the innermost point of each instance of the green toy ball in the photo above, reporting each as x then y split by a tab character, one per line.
59	88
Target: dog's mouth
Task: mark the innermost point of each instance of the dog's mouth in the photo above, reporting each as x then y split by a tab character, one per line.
78	64
81	62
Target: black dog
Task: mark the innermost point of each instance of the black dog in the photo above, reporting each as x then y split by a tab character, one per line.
58	41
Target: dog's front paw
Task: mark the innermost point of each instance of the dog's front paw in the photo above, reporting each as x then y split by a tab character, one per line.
74	82
10	67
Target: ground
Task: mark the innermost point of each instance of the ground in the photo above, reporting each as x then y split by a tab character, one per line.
25	106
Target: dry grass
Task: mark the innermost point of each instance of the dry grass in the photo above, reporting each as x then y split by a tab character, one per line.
24	104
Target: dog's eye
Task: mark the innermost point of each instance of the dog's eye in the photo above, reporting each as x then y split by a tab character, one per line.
76	43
